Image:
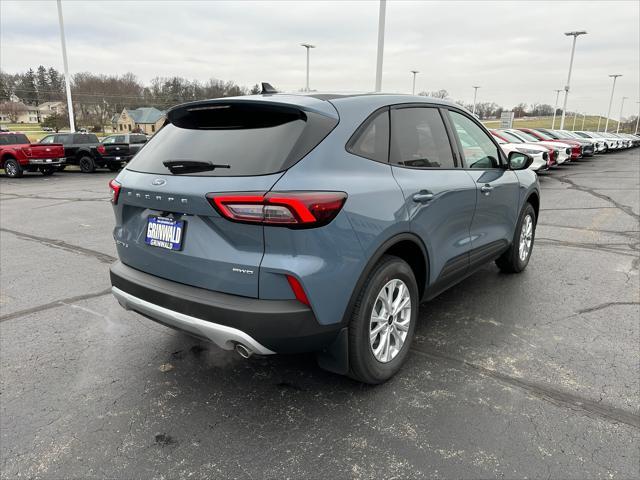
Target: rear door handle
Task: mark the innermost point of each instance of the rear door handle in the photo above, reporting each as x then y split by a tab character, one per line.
423	196
486	189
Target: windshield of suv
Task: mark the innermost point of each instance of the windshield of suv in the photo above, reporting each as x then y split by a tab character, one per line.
510	137
544	135
247	138
528	137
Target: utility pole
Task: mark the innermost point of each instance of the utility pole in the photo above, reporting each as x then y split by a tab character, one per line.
575	35
414	81
620	117
381	19
308	46
475	95
613	89
67	78
555	109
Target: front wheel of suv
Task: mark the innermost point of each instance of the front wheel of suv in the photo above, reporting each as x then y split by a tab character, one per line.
517	257
383	321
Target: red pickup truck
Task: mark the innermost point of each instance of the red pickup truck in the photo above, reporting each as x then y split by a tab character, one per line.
18	154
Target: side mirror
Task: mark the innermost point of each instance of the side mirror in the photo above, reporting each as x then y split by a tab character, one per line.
519	161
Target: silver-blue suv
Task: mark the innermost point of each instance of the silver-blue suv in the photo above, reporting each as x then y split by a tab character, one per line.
282	223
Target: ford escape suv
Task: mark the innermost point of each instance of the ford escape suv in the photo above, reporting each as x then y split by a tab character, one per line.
282	223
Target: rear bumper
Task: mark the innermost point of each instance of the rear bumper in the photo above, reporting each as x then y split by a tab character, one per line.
46	161
264	326
116	158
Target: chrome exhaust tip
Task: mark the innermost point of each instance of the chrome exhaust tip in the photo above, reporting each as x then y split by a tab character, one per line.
243	351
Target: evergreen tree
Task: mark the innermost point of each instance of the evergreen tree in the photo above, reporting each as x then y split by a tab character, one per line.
42	83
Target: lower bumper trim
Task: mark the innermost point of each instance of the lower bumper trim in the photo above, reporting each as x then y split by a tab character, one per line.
223	336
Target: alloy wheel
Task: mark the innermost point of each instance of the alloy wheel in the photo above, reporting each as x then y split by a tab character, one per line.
390	318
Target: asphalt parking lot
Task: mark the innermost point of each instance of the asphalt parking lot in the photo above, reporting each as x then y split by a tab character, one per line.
525	376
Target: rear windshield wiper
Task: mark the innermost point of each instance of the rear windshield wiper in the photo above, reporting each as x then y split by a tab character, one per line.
192	166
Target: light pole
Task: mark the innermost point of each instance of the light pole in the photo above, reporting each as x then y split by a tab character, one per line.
575	35
308	46
575	117
381	18
599	118
620	117
555	109
584	116
67	79
475	95
613	89
638	119
414	80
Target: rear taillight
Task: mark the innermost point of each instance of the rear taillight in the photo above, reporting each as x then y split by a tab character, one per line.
287	209
27	151
101	149
297	289
115	191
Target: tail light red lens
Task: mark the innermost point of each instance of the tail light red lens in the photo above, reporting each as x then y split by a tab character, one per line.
298	291
115	191
288	209
101	149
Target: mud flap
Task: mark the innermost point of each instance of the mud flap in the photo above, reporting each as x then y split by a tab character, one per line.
335	357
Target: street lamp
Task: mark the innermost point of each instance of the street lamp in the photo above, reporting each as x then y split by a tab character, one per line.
599	118
638	119
575	117
613	89
620	117
575	35
381	19
584	116
555	109
67	78
475	94
308	46
414	80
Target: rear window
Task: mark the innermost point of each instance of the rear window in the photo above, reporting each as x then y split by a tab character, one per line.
252	138
138	139
14	139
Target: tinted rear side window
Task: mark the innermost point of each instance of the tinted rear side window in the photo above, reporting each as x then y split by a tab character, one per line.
14	139
419	139
373	140
84	138
252	138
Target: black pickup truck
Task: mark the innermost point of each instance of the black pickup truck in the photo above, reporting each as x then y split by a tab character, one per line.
135	141
86	151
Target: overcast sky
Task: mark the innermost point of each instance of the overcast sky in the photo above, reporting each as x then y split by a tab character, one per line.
515	50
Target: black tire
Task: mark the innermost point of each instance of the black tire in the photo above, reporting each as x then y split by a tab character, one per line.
114	167
13	168
510	261
48	171
87	164
363	364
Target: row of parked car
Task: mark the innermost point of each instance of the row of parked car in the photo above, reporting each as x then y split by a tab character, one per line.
555	147
54	152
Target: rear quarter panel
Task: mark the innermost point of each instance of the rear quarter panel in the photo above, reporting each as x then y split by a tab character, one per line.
329	260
